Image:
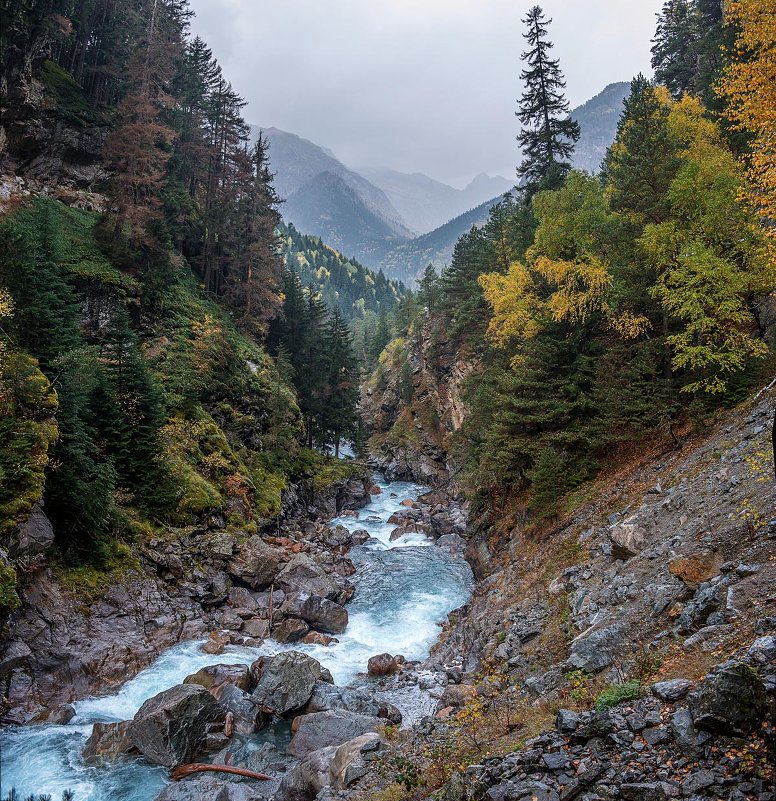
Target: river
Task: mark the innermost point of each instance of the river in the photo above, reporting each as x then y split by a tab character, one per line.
404	590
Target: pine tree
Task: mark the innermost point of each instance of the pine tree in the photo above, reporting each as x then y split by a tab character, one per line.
548	135
339	415
429	288
673	49
253	280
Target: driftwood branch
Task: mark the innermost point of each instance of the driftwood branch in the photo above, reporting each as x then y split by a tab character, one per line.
182	771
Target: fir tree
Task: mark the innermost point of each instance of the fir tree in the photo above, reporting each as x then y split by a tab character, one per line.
548	135
339	416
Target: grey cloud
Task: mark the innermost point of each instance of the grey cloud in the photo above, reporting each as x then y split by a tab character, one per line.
415	85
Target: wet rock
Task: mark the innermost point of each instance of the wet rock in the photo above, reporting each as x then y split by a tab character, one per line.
697	781
108	741
291	629
596	651
256	627
172	727
216	643
648	791
214	677
566	721
256	563
672	690
383	665
354	699
730	700
247	715
286	681
316	638
242	598
15	655
320	613
332	728
685	733
211	788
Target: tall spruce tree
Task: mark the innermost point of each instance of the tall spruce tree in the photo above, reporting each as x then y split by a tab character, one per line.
339	415
548	135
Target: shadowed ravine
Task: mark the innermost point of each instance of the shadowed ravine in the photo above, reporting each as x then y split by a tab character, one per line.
403	590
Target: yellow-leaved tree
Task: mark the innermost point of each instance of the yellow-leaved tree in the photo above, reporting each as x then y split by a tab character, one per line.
748	88
710	255
6	310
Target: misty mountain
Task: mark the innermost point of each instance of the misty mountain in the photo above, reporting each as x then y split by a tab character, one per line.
426	204
326	199
598	120
328	206
408	260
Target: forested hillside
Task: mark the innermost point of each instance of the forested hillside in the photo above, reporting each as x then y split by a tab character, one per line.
343	283
594	312
140	271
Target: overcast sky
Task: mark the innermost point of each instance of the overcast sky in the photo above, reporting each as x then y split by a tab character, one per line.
416	85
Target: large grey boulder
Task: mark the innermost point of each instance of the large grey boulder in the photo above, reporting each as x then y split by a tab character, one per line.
351	761
286	681
596	651
355	699
306	779
247	716
256	563
214	677
34	536
108	741
173	727
303	574
628	539
322	729
730	700
211	788
321	613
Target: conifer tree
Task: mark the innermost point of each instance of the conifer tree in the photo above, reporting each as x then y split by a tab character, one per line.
339	416
673	48
548	136
429	287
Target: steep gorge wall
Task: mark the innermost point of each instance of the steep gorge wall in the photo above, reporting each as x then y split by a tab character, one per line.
413	403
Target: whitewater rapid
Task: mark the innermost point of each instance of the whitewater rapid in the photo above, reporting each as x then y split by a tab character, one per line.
404	590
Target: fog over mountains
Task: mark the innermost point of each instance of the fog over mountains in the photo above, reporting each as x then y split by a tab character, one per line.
400	222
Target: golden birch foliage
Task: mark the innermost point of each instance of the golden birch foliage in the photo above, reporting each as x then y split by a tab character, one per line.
709	257
749	87
514	302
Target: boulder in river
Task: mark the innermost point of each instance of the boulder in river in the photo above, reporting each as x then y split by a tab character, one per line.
292	629
173	727
307	778
108	741
320	613
286	681
335	727
214	677
383	665
351	760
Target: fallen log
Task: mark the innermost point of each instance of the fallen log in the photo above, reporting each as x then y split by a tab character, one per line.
182	771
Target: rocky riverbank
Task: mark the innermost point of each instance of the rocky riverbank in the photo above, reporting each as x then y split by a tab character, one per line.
66	643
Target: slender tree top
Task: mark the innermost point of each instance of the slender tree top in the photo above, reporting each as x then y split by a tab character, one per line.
547	137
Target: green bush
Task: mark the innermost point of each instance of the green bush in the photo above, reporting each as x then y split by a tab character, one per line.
616	694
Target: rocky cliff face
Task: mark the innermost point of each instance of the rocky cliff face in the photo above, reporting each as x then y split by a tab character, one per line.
413	403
